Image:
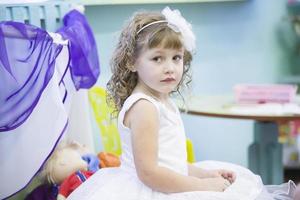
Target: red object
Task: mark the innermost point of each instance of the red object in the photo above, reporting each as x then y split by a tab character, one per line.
73	181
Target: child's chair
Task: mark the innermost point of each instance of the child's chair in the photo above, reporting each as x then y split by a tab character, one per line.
108	129
107	125
190	151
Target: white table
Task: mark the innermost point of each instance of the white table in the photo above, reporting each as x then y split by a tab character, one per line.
265	153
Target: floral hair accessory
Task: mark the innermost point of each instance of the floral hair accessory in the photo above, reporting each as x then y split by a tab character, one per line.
178	24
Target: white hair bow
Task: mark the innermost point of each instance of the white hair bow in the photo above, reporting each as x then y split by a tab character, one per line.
179	24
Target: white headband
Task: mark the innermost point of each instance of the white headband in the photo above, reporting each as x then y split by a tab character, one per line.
178	24
155	22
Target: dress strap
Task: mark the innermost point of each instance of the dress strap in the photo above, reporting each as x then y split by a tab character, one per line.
133	99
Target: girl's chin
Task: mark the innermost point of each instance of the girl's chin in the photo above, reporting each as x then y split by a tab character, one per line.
168	91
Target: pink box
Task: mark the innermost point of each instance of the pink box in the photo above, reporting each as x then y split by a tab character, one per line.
264	93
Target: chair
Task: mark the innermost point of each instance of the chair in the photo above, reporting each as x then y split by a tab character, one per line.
107	125
108	129
190	151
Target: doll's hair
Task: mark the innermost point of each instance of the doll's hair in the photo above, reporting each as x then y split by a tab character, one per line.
130	44
45	175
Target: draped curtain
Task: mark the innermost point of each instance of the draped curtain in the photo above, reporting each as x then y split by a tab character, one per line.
40	73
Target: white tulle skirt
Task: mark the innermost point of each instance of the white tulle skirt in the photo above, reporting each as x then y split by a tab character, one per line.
123	184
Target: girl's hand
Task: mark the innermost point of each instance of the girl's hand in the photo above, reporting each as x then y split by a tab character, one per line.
217	184
226	174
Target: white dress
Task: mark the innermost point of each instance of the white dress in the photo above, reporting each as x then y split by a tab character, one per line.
122	183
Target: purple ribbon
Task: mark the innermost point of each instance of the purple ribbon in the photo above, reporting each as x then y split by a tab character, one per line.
27	61
84	63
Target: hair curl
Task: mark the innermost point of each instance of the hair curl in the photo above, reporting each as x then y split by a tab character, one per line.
123	79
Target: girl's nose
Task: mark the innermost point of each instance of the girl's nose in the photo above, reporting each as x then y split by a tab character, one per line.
169	67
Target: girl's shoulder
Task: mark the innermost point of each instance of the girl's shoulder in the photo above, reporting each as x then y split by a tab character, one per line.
133	98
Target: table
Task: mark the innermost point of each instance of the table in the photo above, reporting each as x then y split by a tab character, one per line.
265	153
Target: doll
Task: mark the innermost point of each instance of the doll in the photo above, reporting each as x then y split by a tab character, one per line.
71	164
68	166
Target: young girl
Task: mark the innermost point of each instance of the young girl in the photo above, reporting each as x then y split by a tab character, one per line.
152	60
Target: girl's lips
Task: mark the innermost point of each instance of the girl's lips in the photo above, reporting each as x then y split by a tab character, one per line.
168	80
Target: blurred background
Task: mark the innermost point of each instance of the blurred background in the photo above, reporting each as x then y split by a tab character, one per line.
250	41
238	41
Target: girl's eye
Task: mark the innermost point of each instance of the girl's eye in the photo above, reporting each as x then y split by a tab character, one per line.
157	59
177	57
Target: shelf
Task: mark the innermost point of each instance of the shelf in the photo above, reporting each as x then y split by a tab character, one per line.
123	2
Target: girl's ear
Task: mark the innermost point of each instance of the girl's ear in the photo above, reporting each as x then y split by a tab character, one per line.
132	68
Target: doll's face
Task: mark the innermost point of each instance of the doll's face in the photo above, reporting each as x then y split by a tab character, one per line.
68	161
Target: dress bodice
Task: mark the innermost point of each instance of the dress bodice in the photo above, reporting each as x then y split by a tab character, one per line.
171	136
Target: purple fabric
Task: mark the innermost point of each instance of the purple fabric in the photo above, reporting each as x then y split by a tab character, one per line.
27	60
84	63
43	192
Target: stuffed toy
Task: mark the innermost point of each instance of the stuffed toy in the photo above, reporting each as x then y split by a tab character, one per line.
71	164
108	160
72	182
68	166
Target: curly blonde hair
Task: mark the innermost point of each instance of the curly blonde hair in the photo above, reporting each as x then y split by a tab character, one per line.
123	79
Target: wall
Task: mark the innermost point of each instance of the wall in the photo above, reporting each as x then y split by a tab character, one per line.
237	43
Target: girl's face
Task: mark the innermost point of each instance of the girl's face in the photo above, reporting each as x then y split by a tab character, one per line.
159	69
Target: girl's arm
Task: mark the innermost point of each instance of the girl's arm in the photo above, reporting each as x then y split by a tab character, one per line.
143	120
202	173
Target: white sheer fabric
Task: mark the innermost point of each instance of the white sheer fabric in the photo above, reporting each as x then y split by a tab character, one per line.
79	127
